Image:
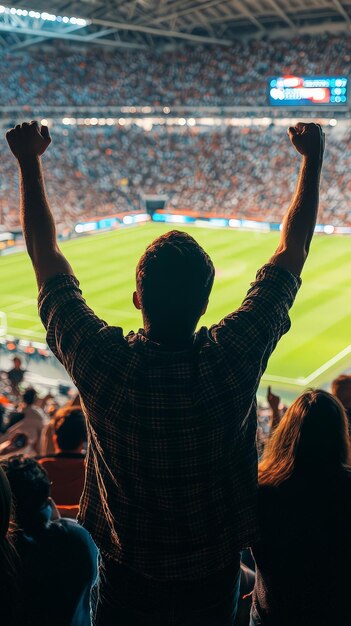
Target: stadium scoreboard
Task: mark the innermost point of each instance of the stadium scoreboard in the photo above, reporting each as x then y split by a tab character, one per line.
308	91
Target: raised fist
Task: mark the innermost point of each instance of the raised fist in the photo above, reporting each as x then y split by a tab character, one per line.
28	140
308	139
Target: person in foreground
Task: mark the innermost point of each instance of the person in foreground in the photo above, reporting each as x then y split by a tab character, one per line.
303	574
170	492
58	559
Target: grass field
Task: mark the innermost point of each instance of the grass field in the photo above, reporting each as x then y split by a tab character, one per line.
313	351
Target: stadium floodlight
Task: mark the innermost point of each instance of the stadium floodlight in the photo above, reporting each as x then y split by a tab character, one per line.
45	16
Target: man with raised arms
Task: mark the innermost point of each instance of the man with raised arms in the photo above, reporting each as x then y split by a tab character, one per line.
170	491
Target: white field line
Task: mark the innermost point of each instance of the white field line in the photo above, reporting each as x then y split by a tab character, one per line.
23	316
304	382
26	334
283	379
19	305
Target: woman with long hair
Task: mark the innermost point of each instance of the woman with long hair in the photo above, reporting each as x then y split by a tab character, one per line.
10	570
303	558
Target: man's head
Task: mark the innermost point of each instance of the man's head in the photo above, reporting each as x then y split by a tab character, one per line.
30	486
29	396
17	363
174	278
70	430
341	388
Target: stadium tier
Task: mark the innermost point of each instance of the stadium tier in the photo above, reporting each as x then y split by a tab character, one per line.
187	76
240	172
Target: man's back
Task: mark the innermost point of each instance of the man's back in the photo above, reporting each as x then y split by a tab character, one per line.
171	465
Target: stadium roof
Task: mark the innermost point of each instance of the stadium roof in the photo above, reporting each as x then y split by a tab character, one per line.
148	23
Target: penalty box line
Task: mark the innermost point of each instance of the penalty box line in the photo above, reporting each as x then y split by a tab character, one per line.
304	382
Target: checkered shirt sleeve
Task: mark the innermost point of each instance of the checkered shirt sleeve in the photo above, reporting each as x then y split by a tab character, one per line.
256	327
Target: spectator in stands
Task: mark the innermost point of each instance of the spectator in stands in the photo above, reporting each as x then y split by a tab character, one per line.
265	431
66	467
10	571
170	492
341	389
303	572
29	421
58	558
16	375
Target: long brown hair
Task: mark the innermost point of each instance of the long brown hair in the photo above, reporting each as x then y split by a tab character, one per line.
312	435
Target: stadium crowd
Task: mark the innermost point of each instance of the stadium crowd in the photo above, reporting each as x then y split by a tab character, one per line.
192	76
239	172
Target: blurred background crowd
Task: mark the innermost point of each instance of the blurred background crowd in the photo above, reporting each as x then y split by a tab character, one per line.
243	172
206	76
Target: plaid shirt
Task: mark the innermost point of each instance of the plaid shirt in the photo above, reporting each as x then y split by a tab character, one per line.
171	467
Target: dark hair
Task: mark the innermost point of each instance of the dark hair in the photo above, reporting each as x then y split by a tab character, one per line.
312	435
29	395
70	429
341	388
30	487
174	279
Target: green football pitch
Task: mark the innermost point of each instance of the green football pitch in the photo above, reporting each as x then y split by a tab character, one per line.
316	348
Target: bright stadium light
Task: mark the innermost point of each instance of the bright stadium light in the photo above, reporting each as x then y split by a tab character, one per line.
44	16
